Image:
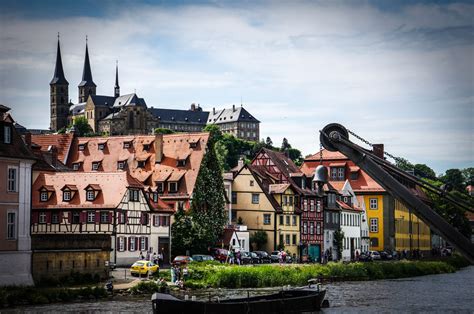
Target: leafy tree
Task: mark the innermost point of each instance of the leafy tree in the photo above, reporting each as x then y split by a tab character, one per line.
455	178
259	239
82	126
424	171
468	175
285	145
338	237
163	131
181	232
404	164
296	156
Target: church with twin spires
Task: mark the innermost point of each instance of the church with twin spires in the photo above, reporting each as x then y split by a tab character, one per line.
129	114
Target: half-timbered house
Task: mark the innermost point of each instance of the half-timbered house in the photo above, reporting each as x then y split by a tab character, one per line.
80	221
284	170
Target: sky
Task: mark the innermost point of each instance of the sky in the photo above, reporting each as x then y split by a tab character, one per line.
399	73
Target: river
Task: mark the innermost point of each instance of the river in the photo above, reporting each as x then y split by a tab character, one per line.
435	293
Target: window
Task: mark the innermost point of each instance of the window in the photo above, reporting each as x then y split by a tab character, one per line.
340	174
55	218
305	205
287	239
305	227
290	200
104	217
251	182
294	220
90	217
354	175
43	196
318	228
160	187
311	205
7	134
155	197
132	244
173	187
95	166
181	163
255	198
42	217
11	226
76	166
143	244
141	164
287	220
333	173
234	197
266	219
373	203
294	239
90	195
146	147
12	179
121	165
133	195
318	206
374	225
126	145
66	196
281	220
101	146
281	239
76	218
82	147
311	227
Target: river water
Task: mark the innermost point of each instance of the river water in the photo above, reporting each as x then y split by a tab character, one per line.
445	293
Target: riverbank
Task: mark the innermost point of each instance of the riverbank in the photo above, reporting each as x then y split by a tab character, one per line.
214	275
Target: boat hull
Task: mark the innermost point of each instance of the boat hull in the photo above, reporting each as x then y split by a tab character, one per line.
288	301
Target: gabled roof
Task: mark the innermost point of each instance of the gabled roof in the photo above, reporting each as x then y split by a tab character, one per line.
17	147
112	187
128	100
76	109
176	116
174	146
233	114
62	142
102	101
226	237
264	183
278	188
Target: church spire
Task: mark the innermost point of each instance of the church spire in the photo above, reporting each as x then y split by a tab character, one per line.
87	85
116	87
58	77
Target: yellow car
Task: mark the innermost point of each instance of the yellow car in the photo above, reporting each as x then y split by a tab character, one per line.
143	268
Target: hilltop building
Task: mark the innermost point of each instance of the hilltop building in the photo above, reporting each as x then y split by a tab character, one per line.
129	114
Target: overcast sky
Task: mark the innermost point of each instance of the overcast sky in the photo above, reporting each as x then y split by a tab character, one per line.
395	73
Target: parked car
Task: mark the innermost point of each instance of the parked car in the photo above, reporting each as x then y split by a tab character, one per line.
202	258
264	257
143	268
182	260
385	256
274	256
374	255
249	258
220	254
365	257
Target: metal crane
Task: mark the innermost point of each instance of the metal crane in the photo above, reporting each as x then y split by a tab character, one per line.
335	137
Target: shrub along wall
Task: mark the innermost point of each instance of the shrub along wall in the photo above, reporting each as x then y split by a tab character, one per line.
230	276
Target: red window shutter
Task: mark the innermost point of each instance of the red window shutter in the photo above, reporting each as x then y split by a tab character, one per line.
124	243
167	221
120	217
139	243
97	217
146	219
146	244
109	218
48	217
154	220
35	217
129	242
83	217
125	217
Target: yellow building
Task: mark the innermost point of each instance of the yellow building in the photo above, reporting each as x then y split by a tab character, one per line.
288	218
410	232
374	204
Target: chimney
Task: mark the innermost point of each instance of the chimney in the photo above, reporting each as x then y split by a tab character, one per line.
193	107
158	148
378	150
54	156
214	110
233	108
28	139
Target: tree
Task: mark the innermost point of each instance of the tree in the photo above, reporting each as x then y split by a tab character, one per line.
181	232
468	175
404	164
163	131
455	178
422	170
296	156
268	142
285	145
338	237
82	126
259	239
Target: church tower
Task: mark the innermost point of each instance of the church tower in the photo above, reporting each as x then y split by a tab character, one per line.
87	85
116	87
59	94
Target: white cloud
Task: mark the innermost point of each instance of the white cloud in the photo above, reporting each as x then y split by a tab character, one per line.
386	74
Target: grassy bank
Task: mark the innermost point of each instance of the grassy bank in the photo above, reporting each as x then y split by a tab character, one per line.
229	276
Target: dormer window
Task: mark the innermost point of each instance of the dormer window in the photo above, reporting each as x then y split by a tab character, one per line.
76	166
82	146
133	196
155	197
160	187
92	190
121	164
90	195
338	173
96	165
146	147
193	144
141	164
66	196
181	163
127	144
101	146
173	187
44	196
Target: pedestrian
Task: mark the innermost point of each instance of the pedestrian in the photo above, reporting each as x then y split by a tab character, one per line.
160	259
173	274
238	257
185	273
280	257
141	256
283	256
155	258
148	256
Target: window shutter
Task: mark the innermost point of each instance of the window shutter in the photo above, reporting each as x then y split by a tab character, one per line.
48	217
129	242
83	217
109	218
125	217
154	220
124	243
35	217
140	243
146	244
97	217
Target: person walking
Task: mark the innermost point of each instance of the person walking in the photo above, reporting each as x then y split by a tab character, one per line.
155	258
141	257
160	259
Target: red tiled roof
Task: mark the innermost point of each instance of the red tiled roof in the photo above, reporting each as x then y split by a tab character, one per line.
61	141
174	147
278	188
112	187
16	148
